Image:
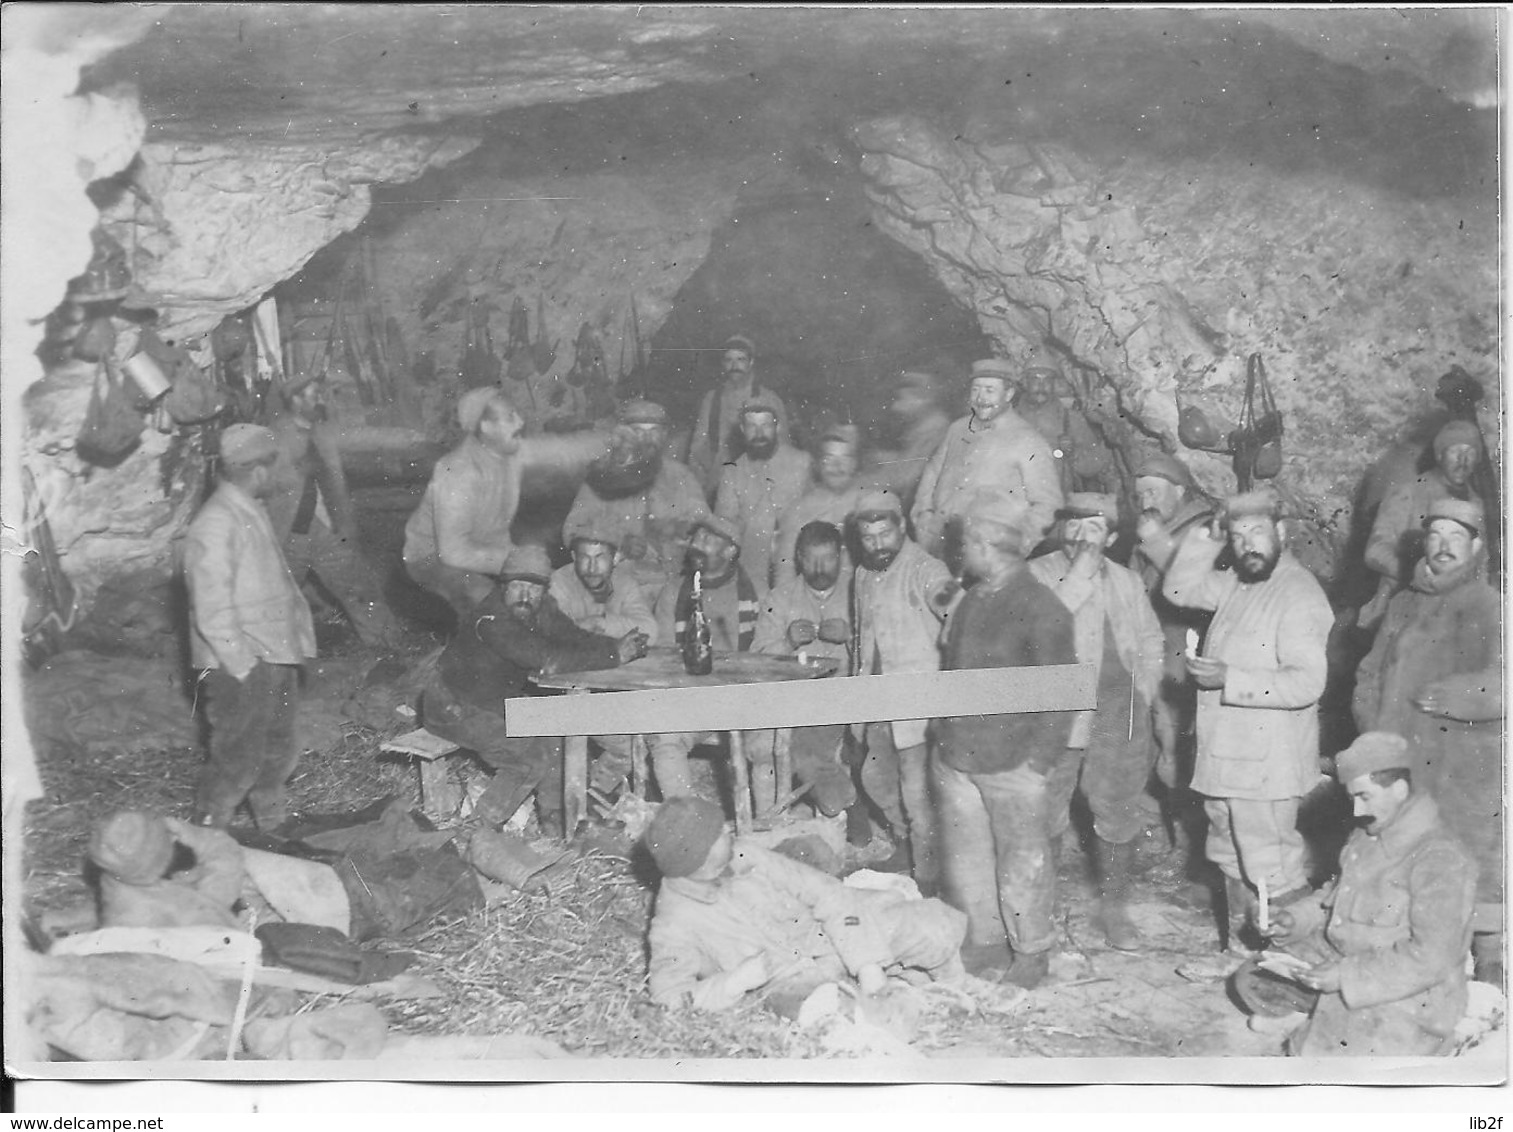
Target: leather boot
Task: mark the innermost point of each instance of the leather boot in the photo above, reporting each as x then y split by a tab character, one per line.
858	825
1029	968
1115	863
1239	910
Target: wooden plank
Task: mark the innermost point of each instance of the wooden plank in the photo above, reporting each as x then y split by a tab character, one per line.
808	703
574	774
421	744
663	668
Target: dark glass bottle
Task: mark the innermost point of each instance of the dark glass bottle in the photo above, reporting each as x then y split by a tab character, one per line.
698	653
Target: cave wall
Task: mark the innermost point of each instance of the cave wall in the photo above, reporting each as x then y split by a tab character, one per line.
1160	278
583	243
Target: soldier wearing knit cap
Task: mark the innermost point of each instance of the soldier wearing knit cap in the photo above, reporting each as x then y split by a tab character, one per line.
250	632
716	437
1396	538
1170	506
732	917
135	850
1387	941
992	447
1434	675
1110	750
1259	677
991	773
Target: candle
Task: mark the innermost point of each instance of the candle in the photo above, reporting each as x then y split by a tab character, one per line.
1263	924
1192	642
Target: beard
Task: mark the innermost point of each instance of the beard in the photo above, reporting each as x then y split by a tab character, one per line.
1255	567
879	560
761	448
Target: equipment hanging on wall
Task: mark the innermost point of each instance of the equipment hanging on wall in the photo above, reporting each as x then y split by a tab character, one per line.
1257	442
112	424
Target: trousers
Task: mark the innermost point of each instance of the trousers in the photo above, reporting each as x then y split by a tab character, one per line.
1112	771
522	766
1257	841
996	850
898	782
252	743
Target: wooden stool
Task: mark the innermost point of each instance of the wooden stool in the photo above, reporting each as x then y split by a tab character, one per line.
439	796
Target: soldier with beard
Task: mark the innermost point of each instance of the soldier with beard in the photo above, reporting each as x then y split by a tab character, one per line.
759	487
643	500
513	632
1259	681
1434	676
901	596
716	438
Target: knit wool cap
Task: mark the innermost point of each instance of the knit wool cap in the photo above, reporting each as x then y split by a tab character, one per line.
1456	432
641	412
1043	371
243	444
592	532
1261	502
132	845
1165	467
1001	509
740	342
682	834
720	526
993	367
1089	504
470	409
879	504
527	563
1373	751
1468	514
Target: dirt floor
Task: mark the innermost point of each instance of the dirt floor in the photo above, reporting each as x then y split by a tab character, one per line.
568	964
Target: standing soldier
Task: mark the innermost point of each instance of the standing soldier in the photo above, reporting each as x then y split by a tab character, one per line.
716	437
759	488
901	596
1110	750
993	448
250	633
1170	506
1259	680
922	423
831	498
992	772
312	513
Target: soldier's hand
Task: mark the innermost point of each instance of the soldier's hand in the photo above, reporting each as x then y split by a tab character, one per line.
1325	977
801	632
835	630
751	973
631	646
1284	929
1206	671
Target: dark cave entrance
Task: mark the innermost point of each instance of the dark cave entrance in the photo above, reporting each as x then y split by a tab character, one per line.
836	310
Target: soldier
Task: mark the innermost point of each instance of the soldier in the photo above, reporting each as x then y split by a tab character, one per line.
759	487
716	437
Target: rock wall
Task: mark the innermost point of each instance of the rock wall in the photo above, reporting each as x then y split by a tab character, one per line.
1160	279
583	244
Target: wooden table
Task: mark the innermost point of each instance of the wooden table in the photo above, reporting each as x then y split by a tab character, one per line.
663	668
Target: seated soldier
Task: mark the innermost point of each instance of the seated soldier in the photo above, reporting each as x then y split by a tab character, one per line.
587	591
730	602
1386	943
135	853
808	615
733	917
515	631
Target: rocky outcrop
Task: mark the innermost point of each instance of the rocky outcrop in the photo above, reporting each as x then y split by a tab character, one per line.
1160	279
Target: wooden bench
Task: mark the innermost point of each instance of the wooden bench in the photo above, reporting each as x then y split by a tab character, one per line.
440	798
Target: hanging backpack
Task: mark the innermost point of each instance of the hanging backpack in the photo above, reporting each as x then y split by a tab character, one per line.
1257	443
112	424
195	397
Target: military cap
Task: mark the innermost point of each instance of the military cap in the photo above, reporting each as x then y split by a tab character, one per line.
759	403
993	367
721	526
641	412
1456	432
243	444
132	845
1002	509
1373	751
879	504
1468	514
1263	501
1169	468
740	342
1089	504
527	563
682	833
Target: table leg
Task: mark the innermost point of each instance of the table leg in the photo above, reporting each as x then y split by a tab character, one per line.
782	761
574	777
740	783
638	777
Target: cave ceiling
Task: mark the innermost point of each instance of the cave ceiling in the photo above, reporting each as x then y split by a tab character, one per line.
338	74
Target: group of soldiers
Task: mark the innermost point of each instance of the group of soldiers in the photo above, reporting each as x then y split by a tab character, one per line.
961	548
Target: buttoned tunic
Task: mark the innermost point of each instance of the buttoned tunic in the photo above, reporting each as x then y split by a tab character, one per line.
753	495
